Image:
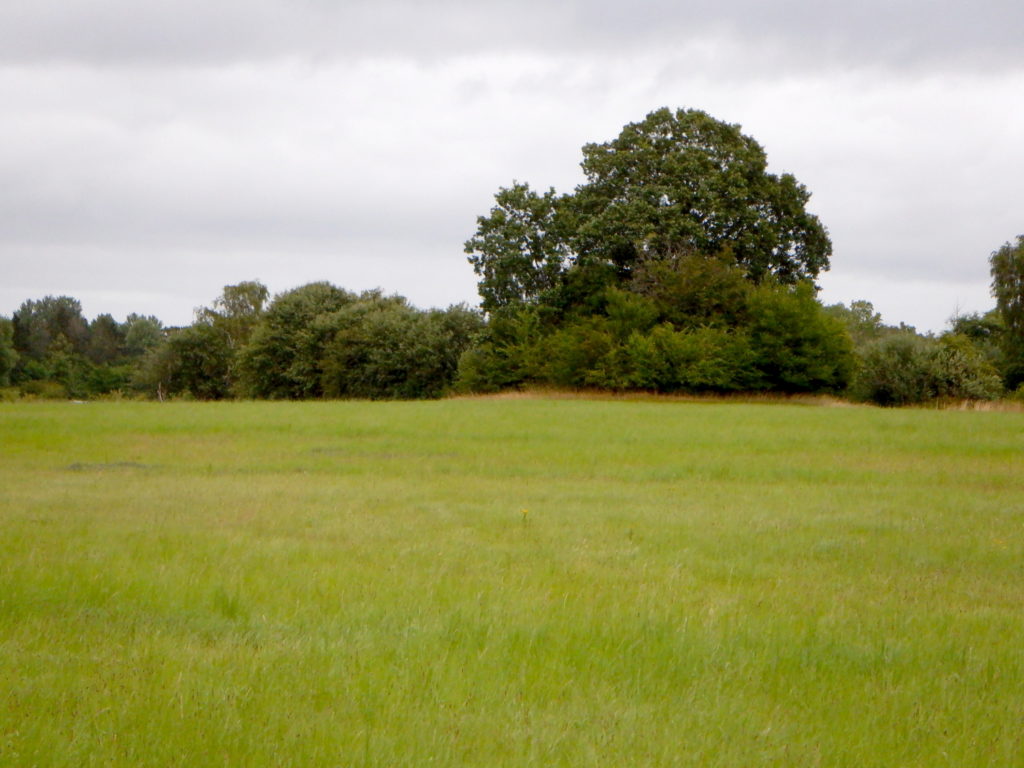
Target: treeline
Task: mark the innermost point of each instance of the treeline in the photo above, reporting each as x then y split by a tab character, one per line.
48	349
701	327
705	329
679	265
315	341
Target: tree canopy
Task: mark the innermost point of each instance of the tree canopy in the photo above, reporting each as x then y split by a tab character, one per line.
676	182
680	264
1007	268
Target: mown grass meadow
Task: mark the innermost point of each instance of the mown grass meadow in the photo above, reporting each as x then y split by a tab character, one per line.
509	583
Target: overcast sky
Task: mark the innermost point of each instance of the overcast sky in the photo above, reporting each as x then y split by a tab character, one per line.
152	152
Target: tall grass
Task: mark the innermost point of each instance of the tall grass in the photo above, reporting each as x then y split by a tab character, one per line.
510	582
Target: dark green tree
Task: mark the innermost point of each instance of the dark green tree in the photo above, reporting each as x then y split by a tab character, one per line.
284	356
203	362
691	289
686	180
385	348
66	367
676	182
37	324
986	334
192	361
521	248
508	352
1007	268
796	346
981	328
106	340
8	355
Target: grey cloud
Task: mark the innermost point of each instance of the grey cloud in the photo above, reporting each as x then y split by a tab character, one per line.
167	149
785	32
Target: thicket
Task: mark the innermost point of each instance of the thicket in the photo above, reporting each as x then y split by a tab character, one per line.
317	340
49	350
690	323
700	327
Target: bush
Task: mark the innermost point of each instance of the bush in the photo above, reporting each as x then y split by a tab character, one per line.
507	353
796	345
907	369
963	372
574	355
387	349
284	354
702	360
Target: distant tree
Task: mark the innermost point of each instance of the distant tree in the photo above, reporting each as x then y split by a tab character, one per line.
508	352
233	316
66	367
692	289
103	379
1007	269
684	179
705	359
862	322
141	334
37	324
191	361
8	355
897	370
978	327
203	362
385	348
106	339
986	333
962	371
237	311
156	372
285	353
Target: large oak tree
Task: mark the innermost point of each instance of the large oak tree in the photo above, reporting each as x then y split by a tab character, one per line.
676	182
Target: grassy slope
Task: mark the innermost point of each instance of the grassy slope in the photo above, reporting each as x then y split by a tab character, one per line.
510	583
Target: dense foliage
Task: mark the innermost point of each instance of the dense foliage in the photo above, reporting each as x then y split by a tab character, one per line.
322	341
904	369
680	264
699	327
49	349
317	340
676	182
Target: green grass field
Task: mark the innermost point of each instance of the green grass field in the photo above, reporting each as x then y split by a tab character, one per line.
510	583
